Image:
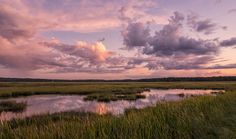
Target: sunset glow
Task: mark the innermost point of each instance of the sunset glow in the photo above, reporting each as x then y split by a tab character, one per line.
111	39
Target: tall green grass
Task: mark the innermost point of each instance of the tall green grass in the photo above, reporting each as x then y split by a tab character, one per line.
200	117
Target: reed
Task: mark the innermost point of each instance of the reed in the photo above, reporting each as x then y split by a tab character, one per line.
198	117
12	106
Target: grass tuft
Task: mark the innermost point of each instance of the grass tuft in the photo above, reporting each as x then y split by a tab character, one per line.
12	106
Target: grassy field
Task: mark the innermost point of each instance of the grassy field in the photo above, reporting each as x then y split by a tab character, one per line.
103	90
198	117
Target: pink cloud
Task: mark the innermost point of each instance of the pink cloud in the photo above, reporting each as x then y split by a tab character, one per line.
91	16
23	49
94	52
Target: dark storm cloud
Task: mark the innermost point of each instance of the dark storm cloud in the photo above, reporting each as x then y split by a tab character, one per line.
229	42
205	26
181	47
168	41
171	50
136	35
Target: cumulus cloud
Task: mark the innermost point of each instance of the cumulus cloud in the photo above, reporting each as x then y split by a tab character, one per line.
136	35
229	42
21	49
205	26
168	41
93	52
170	48
57	57
90	57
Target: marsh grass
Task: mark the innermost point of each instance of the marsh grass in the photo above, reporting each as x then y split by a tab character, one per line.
192	118
12	106
181	95
200	117
81	88
113	97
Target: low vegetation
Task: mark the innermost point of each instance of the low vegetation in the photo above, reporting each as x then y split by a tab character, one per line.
198	117
97	88
113	97
12	106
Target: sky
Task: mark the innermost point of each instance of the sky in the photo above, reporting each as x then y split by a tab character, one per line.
117	39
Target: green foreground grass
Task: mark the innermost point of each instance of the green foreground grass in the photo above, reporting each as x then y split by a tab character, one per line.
198	117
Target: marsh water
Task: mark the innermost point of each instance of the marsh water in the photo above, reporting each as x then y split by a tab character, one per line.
44	104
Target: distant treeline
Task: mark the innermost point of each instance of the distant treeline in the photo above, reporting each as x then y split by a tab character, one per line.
169	79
